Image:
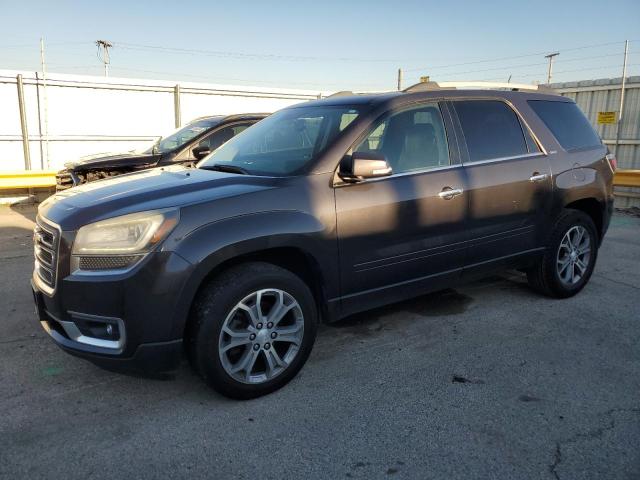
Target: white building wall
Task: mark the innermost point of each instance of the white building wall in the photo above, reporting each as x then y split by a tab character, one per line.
72	116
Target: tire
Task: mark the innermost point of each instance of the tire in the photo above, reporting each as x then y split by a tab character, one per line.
224	333
558	273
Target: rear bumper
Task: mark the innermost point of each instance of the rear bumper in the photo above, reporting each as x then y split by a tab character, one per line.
606	218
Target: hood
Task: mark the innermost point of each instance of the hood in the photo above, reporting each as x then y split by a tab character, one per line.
128	159
152	189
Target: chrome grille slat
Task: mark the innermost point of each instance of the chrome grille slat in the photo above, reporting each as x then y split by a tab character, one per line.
47	257
45	250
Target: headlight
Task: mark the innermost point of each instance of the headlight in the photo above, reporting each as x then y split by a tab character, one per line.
118	242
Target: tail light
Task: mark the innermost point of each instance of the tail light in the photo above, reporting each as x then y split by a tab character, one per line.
613	162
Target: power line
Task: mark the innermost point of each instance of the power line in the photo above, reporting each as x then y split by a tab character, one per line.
254	82
510	67
533	74
247	55
499	59
49	44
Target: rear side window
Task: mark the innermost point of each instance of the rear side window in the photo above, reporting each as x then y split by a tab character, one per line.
491	129
567	123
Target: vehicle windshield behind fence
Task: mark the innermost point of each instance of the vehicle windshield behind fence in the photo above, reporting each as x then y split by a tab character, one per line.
182	136
285	142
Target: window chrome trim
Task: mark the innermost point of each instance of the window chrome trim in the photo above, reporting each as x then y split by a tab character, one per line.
504	159
398	175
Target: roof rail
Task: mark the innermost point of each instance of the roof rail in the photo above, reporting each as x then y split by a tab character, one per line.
343	93
431	86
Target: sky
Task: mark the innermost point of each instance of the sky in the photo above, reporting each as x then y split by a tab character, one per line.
327	45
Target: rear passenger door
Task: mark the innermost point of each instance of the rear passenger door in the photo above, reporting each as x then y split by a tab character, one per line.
400	234
508	182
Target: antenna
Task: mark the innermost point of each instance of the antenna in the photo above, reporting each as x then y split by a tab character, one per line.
105	45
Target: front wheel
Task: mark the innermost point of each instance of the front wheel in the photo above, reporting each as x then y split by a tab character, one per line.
254	328
569	258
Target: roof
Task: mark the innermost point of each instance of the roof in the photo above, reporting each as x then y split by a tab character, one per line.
345	99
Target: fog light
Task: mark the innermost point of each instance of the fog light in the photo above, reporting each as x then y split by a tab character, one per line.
110	330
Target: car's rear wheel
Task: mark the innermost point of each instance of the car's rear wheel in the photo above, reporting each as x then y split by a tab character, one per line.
569	258
254	327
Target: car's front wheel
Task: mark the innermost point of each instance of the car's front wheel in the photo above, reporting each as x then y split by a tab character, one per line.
569	258
254	327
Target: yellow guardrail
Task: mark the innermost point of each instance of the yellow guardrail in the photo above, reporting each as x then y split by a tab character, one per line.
10	180
627	178
47	178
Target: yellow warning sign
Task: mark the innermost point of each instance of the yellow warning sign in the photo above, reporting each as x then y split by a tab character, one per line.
607	117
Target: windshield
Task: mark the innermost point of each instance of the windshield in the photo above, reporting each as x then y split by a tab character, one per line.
180	137
283	143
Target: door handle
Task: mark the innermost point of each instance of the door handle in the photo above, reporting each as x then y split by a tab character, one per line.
538	177
448	193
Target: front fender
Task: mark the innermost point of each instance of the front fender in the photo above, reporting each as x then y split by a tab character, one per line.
212	244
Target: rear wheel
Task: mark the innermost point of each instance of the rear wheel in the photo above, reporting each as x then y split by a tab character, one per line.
570	256
254	329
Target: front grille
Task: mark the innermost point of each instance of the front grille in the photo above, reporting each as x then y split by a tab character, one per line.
45	249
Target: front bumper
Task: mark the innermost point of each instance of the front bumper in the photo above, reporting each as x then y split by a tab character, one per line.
123	321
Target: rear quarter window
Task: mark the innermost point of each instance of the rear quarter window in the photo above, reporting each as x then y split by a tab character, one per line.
491	129
567	123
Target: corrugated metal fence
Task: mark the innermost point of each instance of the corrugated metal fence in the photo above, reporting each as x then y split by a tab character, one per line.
603	95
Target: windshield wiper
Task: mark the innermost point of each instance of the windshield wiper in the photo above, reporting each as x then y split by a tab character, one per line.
226	168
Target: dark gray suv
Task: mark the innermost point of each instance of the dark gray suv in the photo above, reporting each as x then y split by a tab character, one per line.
321	210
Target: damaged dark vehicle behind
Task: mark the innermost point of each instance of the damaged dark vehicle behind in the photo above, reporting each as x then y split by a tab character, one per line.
185	146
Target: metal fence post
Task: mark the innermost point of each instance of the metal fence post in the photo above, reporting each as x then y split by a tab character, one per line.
621	109
176	106
23	124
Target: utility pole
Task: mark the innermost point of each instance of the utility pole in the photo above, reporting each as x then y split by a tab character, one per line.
399	79
550	71
46	105
23	124
624	82
105	45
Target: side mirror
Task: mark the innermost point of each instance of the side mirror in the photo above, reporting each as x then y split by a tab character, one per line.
363	165
200	152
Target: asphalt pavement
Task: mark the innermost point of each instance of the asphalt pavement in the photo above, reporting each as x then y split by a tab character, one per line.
489	380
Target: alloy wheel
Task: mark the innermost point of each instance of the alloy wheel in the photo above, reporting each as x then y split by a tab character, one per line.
261	336
574	255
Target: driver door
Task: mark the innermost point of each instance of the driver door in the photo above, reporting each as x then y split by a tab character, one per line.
401	235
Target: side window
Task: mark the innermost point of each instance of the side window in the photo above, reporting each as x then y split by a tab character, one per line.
567	123
491	129
218	137
413	139
239	129
213	140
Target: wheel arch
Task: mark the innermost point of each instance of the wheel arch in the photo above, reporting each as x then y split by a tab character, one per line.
594	208
289	240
